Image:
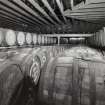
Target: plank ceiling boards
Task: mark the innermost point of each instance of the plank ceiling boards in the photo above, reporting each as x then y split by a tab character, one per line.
30	12
18	10
92	10
52	16
38	14
61	8
7	23
37	6
48	6
14	13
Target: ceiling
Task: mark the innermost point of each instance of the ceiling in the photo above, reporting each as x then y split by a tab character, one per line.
91	11
52	16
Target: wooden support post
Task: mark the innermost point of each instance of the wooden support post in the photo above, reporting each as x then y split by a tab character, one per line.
72	3
58	40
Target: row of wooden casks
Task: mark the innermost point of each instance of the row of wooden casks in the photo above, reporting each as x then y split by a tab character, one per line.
98	38
71	81
12	38
22	67
46	40
15	38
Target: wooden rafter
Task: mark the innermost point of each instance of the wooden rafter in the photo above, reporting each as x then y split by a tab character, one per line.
15	17
37	6
29	10
17	8
45	2
18	15
92	10
61	8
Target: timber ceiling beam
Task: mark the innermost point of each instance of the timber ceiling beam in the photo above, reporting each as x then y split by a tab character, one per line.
94	1
15	21
47	5
9	20
91	10
61	8
87	14
41	10
19	10
31	11
15	17
11	24
15	13
92	17
68	12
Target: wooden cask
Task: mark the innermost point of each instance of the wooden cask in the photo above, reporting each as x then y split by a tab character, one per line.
97	38
20	38
35	61
42	55
102	37
30	65
7	37
10	78
48	40
51	40
48	83
32	61
29	38
43	40
34	39
55	41
10	38
39	39
69	81
93	39
27	58
1	37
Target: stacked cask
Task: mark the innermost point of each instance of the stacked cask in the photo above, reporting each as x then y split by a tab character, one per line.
25	63
71	81
20	38
34	38
7	37
28	38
